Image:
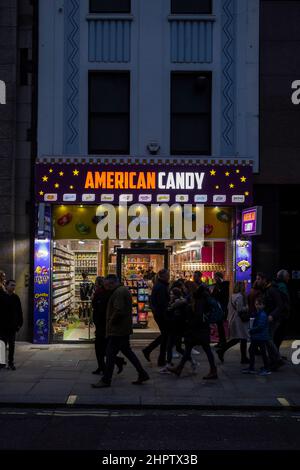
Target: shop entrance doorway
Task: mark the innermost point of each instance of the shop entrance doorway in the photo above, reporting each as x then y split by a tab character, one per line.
137	268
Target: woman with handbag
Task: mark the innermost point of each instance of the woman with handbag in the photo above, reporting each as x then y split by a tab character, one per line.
238	321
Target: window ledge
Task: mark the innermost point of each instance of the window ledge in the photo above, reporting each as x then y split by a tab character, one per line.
109	16
192	18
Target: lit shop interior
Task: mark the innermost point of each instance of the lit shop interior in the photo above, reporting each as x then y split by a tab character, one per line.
77	250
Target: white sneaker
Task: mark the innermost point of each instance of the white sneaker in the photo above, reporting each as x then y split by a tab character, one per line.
195	351
165	370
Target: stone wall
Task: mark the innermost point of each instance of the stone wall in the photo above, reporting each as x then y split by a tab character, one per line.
16	19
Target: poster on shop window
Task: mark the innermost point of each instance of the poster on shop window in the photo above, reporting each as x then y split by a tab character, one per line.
41	291
243	260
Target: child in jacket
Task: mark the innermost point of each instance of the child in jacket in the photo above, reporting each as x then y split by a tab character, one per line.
259	334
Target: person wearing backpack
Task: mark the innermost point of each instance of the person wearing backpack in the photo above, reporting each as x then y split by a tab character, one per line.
238	319
197	332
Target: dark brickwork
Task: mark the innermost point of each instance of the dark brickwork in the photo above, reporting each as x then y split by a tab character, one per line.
16	21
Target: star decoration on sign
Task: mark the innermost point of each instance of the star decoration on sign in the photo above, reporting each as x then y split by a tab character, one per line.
213	172
75	172
45	178
61	173
41	193
243	179
227	173
51	170
56	185
231	186
237	171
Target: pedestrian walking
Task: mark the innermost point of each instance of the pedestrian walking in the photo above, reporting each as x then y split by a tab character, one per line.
259	334
274	307
176	318
14	321
282	280
197	333
238	321
99	303
160	298
118	331
221	293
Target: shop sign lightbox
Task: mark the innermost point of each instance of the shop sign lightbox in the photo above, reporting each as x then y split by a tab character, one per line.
252	221
243	266
75	183
41	291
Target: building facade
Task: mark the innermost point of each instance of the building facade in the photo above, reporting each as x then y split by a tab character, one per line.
16	141
149	102
152	51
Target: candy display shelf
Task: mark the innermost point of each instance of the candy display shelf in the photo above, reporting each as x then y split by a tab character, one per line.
62	282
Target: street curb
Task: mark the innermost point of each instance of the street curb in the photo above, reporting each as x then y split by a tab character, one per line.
115	406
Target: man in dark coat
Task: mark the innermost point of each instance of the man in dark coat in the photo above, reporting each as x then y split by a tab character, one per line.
118	331
274	307
99	302
159	301
13	321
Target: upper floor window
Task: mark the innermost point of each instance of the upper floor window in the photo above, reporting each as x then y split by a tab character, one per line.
191	6
191	113
110	6
109	113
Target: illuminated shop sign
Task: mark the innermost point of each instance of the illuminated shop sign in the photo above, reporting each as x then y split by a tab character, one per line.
243	261
251	221
95	183
41	291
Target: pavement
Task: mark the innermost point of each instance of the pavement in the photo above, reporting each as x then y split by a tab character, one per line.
60	375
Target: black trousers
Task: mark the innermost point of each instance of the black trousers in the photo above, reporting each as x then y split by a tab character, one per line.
233	342
258	346
114	345
100	349
279	333
174	340
161	340
206	348
221	332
